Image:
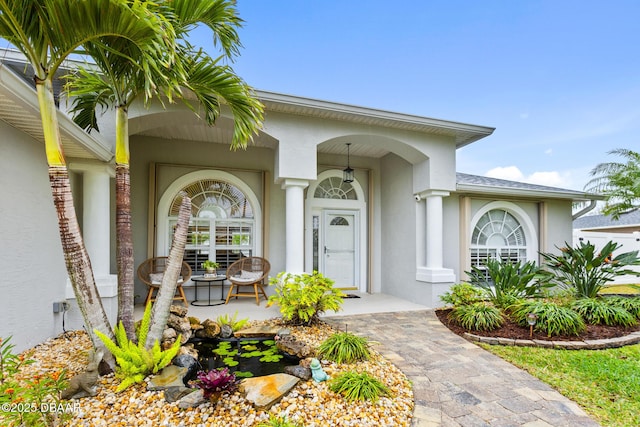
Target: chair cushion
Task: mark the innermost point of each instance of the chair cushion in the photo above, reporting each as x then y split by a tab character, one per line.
156	278
250	275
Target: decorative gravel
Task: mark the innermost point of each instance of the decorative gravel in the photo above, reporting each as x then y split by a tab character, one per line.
309	403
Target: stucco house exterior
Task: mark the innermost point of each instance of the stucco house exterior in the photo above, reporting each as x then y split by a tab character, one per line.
408	225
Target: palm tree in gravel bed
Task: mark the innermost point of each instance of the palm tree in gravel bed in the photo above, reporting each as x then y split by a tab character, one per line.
47	32
115	83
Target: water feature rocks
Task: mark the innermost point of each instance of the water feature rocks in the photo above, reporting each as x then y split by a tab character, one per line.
264	391
170	376
189	362
192	400
299	371
226	331
210	329
290	345
173	394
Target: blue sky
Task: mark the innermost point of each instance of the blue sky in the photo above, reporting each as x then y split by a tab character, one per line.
559	80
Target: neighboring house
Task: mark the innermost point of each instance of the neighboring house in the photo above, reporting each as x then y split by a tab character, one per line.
628	222
407	225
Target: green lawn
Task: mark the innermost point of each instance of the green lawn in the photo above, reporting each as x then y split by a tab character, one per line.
606	383
620	289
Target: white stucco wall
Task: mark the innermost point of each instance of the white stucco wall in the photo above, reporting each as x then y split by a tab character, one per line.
31	260
398	245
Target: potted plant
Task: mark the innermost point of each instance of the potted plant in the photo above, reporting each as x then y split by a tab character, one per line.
210	266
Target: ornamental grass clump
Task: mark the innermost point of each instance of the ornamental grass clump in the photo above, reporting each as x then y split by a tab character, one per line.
631	304
278	421
597	311
135	361
479	316
552	318
358	386
344	347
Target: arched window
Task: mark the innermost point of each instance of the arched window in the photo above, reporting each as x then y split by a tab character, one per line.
335	188
222	226
498	234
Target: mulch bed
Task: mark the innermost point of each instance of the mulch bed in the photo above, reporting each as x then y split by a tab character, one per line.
515	331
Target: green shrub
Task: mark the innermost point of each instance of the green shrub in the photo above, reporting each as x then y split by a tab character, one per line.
553	319
631	304
586	271
477	317
303	297
278	421
597	311
135	361
358	386
29	396
504	282
344	347
232	321
462	294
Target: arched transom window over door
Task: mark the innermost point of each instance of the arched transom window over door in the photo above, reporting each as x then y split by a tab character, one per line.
498	234
222	226
335	188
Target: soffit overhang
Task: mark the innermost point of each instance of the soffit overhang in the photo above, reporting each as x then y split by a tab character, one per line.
19	108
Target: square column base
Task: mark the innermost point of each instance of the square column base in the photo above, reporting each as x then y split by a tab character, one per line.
435	275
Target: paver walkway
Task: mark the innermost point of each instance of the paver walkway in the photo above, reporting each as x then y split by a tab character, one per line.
455	382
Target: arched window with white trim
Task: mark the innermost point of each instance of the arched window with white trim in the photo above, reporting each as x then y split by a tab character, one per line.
499	235
223	220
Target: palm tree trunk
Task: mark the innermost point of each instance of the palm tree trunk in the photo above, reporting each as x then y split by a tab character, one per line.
75	253
160	311
124	235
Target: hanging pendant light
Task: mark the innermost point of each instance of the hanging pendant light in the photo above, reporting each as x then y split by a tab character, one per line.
347	174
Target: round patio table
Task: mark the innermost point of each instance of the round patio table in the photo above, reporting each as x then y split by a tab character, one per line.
209	281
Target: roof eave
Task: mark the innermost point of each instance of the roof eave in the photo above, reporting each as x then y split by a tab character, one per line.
507	191
465	133
26	96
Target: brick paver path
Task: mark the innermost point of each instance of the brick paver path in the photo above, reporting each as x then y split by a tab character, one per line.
455	382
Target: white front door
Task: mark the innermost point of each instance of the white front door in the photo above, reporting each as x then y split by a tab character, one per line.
341	247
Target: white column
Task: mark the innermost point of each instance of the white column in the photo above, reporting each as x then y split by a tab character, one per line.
96	232
96	219
435	229
421	237
433	271
294	224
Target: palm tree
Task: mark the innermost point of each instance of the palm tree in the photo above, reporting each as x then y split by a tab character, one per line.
619	182
113	83
47	32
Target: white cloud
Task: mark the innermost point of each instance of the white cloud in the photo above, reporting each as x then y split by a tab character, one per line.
548	151
510	172
551	179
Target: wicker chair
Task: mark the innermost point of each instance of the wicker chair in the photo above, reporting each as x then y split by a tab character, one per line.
250	271
151	271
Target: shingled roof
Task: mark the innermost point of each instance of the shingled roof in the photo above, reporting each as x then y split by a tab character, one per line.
483	184
628	219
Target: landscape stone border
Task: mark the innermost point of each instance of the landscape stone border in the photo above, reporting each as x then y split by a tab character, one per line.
632	338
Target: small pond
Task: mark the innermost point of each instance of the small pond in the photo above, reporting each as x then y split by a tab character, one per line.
246	357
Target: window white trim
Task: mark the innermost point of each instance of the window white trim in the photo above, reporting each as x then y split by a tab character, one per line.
520	215
162	213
